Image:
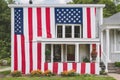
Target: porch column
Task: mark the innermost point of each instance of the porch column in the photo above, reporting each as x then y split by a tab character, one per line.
98	52
52	53
101	44
107	44
76	52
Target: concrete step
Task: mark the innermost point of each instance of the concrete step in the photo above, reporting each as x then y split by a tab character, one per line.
111	68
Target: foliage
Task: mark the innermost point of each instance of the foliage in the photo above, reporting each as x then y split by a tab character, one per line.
86	59
4	29
8	61
117	64
61	78
103	72
16	73
109	9
36	73
68	73
48	73
5	72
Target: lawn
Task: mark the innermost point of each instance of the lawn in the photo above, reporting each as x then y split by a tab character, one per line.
61	78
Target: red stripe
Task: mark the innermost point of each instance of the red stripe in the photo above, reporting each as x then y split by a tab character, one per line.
92	66
23	54
95	11
100	51
48	22
39	22
88	23
39	58
45	66
55	67
74	65
83	68
15	53
30	36
64	66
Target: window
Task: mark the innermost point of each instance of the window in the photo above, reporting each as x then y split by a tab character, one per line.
117	40
69	31
48	53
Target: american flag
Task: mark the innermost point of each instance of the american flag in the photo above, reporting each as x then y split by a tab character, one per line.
30	23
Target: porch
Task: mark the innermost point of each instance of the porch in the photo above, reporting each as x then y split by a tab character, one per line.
66	54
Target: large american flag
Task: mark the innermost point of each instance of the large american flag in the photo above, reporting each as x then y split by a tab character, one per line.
30	23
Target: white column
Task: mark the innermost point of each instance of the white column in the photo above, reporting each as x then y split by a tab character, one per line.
107	44
52	53
98	52
61	52
76	52
72	31
63	31
101	44
43	56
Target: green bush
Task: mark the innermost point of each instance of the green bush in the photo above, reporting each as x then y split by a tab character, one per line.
16	73
103	72
117	64
36	73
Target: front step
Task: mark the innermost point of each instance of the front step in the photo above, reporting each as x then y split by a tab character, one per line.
111	68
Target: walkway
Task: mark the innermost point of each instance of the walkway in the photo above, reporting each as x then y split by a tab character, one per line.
114	75
5	69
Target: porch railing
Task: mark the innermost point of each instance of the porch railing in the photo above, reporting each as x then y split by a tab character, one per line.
104	60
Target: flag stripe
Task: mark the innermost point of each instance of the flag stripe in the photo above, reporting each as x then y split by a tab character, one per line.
30	37
64	66
83	65
74	65
88	23
23	53
92	66
39	22
45	66
55	68
48	22
15	53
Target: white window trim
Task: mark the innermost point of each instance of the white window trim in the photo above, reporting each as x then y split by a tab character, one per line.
115	42
63	29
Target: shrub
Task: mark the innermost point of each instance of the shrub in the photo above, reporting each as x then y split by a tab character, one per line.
16	73
36	73
68	73
48	73
103	72
117	64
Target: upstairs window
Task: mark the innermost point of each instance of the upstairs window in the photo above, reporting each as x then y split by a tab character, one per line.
68	31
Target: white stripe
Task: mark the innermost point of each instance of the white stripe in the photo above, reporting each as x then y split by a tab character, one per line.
78	68
60	68
19	52
97	68
92	11
12	39
50	67
43	13
52	22
87	68
69	66
84	23
27	56
43	56
34	47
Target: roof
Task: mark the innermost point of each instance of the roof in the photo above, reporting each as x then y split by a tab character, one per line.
112	20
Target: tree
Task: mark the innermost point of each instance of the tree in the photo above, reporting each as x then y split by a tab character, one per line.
4	29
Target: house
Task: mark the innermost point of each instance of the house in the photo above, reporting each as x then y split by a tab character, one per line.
56	37
110	39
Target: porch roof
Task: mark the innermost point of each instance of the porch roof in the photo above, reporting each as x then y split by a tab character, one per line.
67	41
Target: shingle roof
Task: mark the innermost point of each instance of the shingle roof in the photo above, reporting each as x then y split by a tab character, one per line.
114	19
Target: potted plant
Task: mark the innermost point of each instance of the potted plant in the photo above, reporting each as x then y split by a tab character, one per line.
85	59
94	55
117	64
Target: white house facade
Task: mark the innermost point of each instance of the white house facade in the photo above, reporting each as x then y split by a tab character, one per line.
57	37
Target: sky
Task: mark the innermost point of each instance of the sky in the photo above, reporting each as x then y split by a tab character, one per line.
43	1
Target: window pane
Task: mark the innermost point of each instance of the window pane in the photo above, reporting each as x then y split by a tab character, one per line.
118	40
70	52
59	31
57	53
77	31
68	31
48	53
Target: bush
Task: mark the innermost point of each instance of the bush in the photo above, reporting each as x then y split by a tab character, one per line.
16	73
117	64
68	73
48	73
36	73
103	72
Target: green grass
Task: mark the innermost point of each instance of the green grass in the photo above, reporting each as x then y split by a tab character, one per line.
5	72
60	78
2	67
